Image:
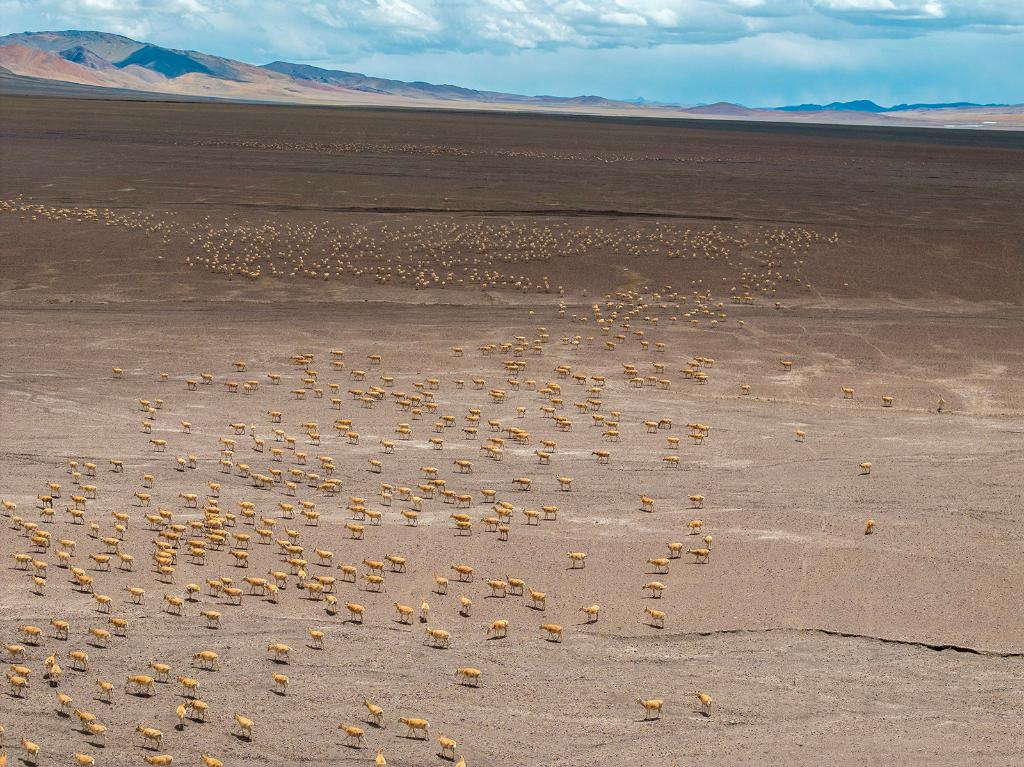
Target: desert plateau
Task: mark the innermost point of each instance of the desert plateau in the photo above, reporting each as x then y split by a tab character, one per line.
506	439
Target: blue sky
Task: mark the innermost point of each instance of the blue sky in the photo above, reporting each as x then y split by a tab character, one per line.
756	52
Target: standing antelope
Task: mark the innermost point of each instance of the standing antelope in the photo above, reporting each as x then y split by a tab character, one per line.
705	702
651	706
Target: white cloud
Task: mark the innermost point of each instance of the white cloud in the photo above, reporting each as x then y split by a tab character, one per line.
105	6
766	70
320	12
346	29
618	18
404	16
760	52
883	6
945	14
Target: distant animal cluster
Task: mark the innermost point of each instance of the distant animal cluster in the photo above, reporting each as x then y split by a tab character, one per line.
454	253
434	150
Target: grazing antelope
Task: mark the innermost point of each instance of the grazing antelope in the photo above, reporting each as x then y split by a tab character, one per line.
105	689
376	712
245	725
465	573
206	659
162	670
18	684
98	732
657	617
499	628
553	631
189	686
138	683
448	746
151	736
539	599
198	708
438	637
700	555
655	587
660	564
79	660
470	676
353	735
415	726
280	651
31	750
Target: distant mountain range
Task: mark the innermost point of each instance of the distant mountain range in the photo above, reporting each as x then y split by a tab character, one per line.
86	63
873	108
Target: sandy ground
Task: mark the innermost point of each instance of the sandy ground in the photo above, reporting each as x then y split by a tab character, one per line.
817	643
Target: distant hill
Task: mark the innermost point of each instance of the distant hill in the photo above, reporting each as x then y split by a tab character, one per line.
951	105
79	54
21	85
99	60
104	44
722	108
163	61
836	106
873	108
47	65
364	83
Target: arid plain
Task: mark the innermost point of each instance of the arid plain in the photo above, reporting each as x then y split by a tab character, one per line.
597	274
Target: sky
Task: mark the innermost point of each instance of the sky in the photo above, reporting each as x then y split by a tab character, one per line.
753	52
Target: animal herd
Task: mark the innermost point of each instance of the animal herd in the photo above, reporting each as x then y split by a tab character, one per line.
447	252
265	503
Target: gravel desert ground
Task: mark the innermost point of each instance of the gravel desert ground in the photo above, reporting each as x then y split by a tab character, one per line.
612	284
